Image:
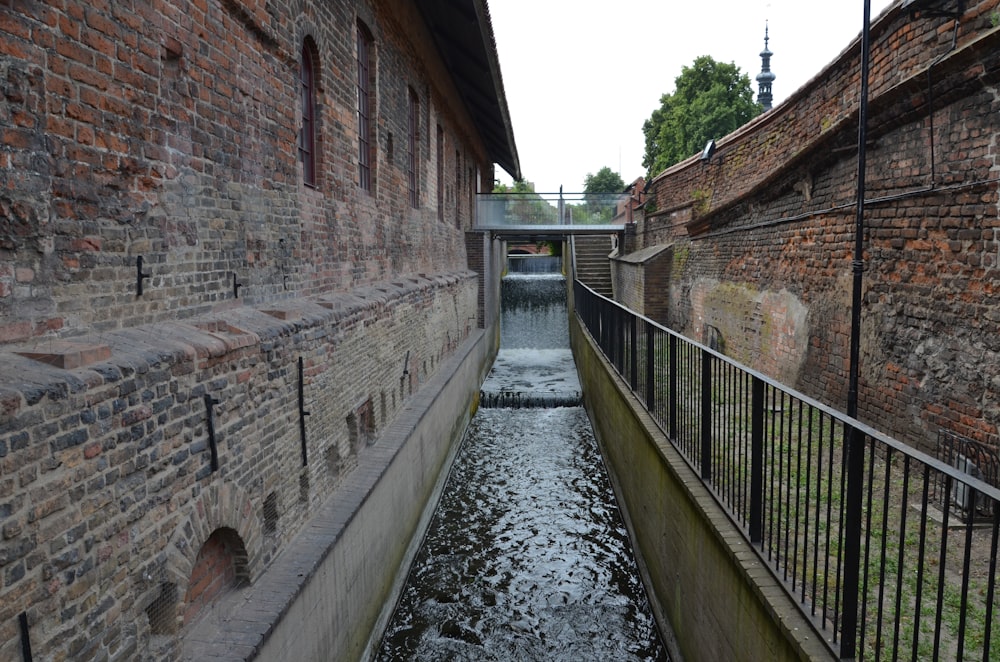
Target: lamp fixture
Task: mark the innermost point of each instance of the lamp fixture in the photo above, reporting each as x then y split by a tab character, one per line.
706	154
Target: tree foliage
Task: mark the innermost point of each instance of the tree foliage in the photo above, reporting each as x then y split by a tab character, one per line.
518	186
605	181
711	100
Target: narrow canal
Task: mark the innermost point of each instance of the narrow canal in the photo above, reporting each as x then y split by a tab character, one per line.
526	556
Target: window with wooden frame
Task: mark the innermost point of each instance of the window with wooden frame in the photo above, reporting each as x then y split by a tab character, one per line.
307	97
365	85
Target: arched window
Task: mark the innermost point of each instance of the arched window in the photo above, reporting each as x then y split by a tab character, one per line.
440	172
413	147
365	107
307	132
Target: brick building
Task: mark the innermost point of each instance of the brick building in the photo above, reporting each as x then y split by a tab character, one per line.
234	258
760	235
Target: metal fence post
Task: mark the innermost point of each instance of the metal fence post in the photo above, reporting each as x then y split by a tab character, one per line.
855	449
756	460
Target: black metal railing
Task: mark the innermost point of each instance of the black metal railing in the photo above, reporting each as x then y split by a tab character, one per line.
859	527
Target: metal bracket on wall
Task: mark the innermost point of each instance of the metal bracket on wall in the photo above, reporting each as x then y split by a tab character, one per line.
212	447
22	620
139	276
302	414
236	286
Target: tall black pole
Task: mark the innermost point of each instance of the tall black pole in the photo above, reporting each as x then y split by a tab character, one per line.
855	439
858	265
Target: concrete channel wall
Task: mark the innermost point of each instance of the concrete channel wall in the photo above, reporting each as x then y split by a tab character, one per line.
364	541
704	580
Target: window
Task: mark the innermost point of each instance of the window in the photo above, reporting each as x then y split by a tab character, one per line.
440	172
458	189
365	105
307	132
413	147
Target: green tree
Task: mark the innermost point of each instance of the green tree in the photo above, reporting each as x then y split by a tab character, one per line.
518	186
711	99
523	206
605	181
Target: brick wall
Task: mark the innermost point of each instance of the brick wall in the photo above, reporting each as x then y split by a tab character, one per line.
637	281
148	440
168	131
107	487
768	231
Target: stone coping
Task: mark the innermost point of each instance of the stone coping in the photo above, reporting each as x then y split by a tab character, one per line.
57	367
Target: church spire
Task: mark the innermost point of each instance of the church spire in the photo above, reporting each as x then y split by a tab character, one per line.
765	77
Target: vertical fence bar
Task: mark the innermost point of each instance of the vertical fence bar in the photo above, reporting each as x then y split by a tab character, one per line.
650	368
619	339
633	367
673	388
706	416
757	461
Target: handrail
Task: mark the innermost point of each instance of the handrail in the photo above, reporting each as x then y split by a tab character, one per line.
777	462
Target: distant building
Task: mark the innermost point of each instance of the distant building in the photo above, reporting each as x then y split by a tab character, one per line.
765	77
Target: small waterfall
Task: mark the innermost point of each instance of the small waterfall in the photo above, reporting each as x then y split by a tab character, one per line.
534	264
527	556
534	368
533	312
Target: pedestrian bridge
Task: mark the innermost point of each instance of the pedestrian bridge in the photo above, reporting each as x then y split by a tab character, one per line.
533	217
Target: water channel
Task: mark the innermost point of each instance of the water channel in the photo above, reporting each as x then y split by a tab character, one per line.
526	556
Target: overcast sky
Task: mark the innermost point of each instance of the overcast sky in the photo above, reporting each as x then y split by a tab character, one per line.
581	76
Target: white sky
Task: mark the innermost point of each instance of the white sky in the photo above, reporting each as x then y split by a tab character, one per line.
581	76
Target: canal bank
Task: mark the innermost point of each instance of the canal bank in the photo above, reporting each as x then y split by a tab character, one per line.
706	584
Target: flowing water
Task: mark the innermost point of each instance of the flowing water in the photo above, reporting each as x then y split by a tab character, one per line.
526	556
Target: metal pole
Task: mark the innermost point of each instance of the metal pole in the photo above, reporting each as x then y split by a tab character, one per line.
855	439
858	264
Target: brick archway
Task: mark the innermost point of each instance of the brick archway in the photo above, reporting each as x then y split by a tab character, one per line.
220	508
221	565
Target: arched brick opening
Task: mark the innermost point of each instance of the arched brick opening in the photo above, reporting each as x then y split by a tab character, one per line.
223	507
220	566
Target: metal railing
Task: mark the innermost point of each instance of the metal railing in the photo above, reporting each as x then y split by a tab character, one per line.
859	527
520	210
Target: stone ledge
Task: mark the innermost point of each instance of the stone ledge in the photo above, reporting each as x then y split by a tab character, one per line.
115	354
69	355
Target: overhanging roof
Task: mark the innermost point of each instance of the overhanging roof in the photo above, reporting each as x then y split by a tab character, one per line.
463	33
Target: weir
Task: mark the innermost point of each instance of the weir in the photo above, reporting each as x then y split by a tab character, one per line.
526	555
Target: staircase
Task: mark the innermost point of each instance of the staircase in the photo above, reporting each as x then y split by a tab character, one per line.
592	265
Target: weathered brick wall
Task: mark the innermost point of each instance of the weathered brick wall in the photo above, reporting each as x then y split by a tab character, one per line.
769	229
639	278
105	471
168	131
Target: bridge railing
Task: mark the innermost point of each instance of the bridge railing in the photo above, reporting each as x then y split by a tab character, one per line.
507	210
890	552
